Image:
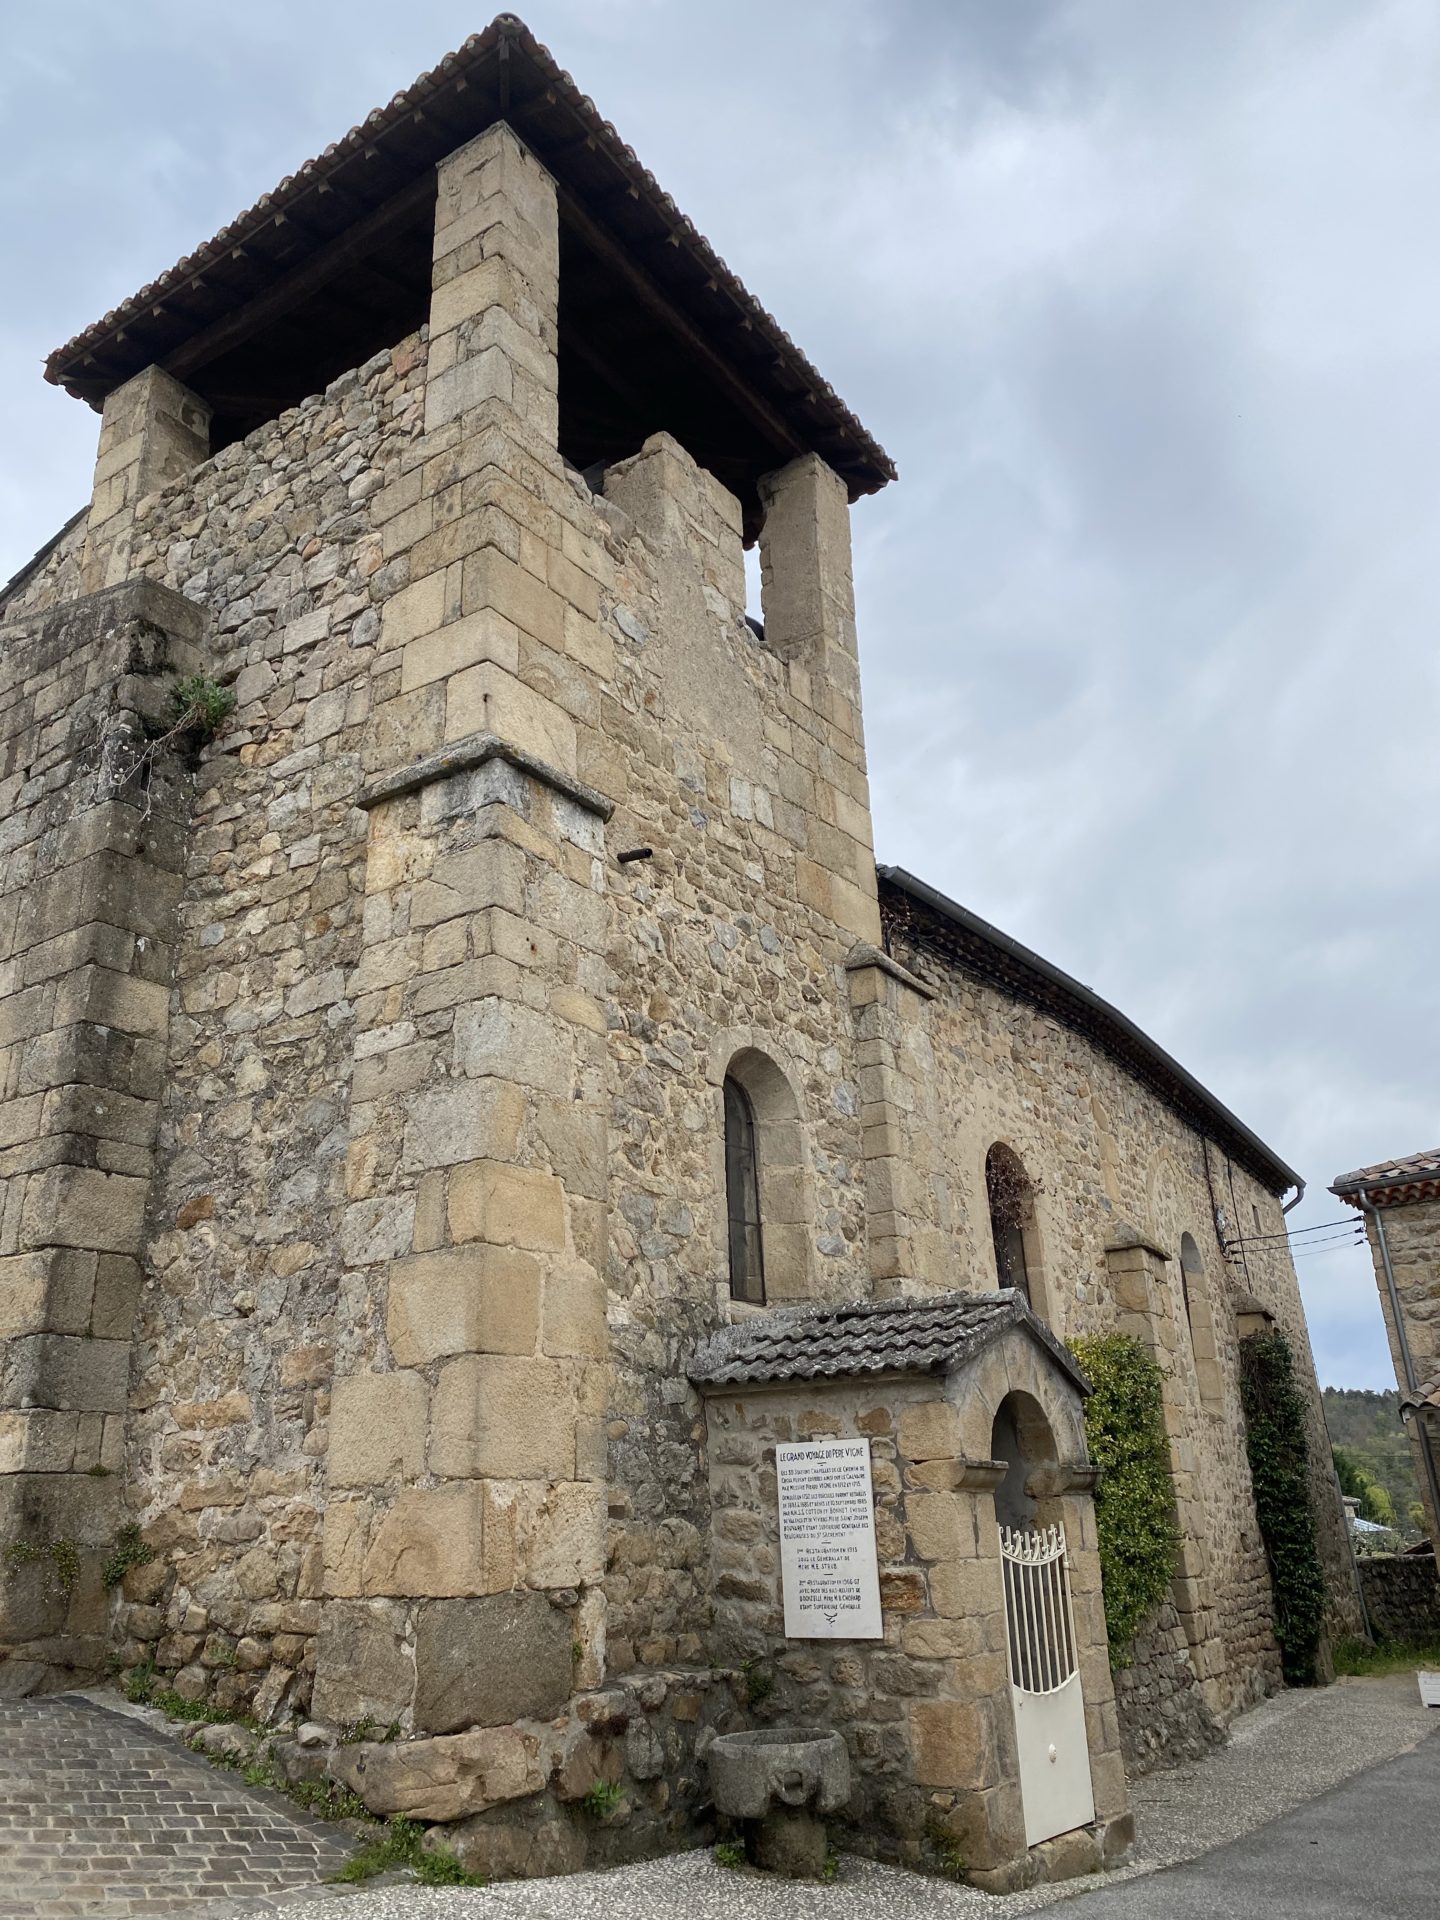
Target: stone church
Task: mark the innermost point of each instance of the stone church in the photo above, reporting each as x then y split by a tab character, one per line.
470	1105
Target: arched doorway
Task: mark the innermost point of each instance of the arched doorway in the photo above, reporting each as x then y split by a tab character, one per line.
1021	1437
1041	1648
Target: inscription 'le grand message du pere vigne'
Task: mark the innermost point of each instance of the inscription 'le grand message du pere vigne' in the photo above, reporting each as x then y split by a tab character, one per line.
827	1541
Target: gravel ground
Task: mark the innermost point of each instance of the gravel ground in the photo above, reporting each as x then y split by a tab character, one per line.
1286	1752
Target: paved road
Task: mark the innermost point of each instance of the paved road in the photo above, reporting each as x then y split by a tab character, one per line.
1368	1848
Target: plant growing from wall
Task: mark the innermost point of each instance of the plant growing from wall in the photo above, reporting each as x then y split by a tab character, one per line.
61	1559
199	708
201	705
602	1799
1134	1503
1279	1462
129	1551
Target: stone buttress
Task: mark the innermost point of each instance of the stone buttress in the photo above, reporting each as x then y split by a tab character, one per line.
95	796
466	1496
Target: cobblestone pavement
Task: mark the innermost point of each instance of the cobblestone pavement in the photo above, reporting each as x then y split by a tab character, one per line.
100	1816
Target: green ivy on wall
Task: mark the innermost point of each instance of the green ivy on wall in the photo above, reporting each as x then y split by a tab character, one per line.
1279	1459
1135	1502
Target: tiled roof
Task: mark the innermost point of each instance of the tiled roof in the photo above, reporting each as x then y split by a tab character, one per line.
503	72
1393	1183
931	1335
1426	1396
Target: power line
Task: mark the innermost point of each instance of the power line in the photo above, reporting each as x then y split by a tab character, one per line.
1255	1239
1326	1246
1320	1246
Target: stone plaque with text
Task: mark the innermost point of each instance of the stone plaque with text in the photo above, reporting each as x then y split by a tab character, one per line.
827	1541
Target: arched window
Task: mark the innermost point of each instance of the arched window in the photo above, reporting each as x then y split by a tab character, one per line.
1189	1263
1201	1322
1012	1221
742	1194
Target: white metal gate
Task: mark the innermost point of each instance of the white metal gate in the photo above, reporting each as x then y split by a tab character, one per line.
1045	1682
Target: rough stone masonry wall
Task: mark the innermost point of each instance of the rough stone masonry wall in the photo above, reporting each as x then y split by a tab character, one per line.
236	1342
1402	1596
730	765
309	1143
235	1337
91	846
1112	1164
1412	1234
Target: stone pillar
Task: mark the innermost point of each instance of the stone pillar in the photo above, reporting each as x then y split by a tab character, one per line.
89	887
152	431
809	604
495	286
1145	1311
890	1007
962	1741
464	1530
1074	1507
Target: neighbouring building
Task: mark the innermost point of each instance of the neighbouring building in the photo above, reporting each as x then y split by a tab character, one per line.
463	1116
1399	1201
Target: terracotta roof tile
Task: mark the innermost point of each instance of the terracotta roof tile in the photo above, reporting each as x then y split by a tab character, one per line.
933	1335
142	327
1412	1177
1427	1396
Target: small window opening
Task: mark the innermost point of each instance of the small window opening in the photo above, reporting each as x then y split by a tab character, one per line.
754	597
1201	1322
742	1193
1192	1286
1007	1187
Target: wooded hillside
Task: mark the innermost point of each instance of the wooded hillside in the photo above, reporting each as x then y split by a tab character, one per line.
1366	1426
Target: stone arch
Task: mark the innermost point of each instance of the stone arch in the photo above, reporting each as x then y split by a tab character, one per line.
1200	1316
1021	1436
1014	1230
781	1168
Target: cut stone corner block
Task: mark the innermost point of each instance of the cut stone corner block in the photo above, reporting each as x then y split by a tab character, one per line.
807	583
496	170
495	280
153	430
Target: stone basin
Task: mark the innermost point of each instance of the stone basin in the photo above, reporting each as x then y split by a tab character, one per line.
779	1782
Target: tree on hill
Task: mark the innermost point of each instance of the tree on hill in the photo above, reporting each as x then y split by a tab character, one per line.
1360	1484
1365	1426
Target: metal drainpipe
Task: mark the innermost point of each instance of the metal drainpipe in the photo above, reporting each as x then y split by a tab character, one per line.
1369	1207
1290	1205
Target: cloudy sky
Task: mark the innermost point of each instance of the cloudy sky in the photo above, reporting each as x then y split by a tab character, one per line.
1142	297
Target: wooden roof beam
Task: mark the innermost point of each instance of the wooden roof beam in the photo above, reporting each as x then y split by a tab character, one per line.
655	302
346	249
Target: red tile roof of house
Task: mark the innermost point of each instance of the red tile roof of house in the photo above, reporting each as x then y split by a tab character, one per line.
1393	1183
